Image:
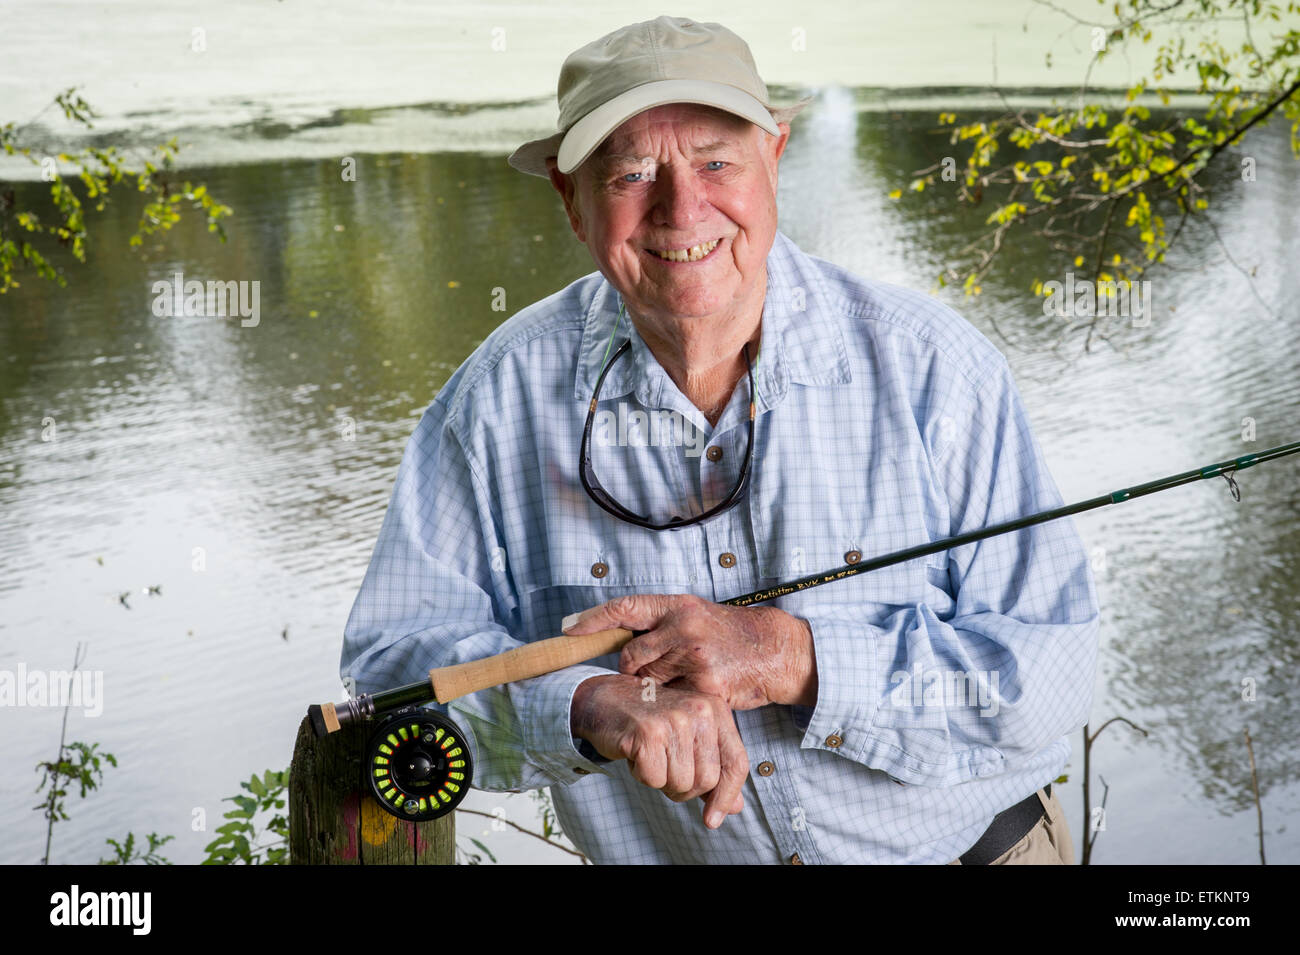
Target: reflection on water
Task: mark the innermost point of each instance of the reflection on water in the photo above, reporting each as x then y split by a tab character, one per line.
245	469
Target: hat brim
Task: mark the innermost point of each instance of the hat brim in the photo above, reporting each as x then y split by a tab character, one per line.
571	147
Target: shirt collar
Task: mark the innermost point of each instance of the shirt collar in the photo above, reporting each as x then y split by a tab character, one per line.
802	341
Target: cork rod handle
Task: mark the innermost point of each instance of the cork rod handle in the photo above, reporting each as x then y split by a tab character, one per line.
522	663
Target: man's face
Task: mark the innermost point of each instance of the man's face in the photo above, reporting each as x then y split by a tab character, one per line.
669	179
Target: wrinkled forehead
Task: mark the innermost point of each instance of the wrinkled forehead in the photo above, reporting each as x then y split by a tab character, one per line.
691	125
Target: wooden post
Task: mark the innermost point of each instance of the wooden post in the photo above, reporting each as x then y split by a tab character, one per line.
334	820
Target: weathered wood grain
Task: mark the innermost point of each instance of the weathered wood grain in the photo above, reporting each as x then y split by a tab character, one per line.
334	820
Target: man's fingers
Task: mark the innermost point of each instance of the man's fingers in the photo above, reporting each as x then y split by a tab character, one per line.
649	766
642	650
726	798
633	611
685	744
681	765
708	769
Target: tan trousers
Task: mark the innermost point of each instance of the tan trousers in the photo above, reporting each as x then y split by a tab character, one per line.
1048	843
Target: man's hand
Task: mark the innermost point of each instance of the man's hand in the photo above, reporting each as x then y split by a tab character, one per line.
748	656
678	741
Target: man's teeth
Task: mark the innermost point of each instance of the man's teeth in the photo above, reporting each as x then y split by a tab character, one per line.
693	254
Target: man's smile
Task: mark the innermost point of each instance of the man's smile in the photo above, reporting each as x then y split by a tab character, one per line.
689	254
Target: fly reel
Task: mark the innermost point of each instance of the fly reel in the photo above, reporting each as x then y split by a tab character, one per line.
417	764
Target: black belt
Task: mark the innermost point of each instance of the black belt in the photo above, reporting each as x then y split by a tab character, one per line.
1008	828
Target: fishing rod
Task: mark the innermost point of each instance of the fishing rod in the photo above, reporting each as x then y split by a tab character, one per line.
417	763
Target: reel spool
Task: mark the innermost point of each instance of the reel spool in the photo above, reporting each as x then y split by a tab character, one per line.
418	764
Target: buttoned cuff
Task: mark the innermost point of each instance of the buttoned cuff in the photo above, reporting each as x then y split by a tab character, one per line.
845	654
544	714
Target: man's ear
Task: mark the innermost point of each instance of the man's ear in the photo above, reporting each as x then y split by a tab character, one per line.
774	146
566	186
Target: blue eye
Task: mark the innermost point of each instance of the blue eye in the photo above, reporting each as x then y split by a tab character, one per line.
626	179
716	162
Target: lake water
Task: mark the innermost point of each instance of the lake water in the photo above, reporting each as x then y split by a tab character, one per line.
177	434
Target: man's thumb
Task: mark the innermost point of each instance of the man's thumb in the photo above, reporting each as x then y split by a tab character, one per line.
575	621
634	611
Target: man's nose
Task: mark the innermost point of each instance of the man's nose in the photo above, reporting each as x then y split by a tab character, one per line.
679	195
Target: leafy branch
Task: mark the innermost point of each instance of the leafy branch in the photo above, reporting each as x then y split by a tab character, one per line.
86	769
100	171
78	763
1099	184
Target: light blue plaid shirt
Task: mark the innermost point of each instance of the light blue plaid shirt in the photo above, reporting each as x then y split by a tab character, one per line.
946	686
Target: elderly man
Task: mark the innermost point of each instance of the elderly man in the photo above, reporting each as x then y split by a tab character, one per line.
712	412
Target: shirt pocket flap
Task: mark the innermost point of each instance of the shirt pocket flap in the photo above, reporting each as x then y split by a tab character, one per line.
612	558
820	527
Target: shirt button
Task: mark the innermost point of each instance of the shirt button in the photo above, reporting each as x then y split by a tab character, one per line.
765	768
714	453
599	569
834	741
795	860
852	557
727	559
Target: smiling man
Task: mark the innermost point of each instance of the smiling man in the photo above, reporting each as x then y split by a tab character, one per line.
678	208
914	714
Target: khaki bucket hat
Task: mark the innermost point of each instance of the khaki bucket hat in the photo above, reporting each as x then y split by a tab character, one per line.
643	65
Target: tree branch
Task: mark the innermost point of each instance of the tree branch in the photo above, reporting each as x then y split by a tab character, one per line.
527	832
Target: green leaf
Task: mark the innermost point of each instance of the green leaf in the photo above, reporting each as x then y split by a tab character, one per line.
485	849
246	803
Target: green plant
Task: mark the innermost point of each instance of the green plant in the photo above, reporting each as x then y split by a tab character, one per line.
126	853
78	763
238	839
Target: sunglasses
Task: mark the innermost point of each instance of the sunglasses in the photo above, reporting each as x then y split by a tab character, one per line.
591	484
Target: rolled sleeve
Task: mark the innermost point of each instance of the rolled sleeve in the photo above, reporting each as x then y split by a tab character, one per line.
938	701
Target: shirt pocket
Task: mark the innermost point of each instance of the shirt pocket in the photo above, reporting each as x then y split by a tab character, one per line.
581	567
829	518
